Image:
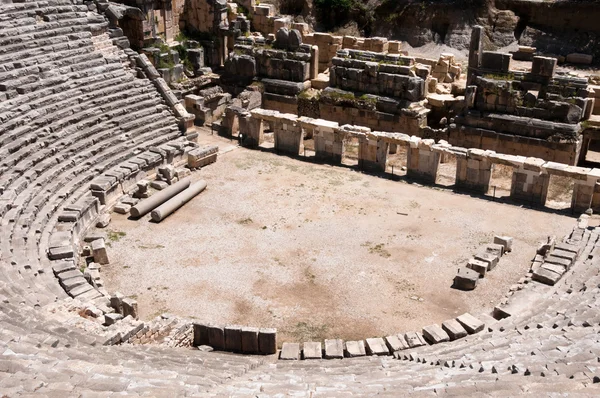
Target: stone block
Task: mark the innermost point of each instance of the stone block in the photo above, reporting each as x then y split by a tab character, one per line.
290	352
130	307
466	279
505	241
414	339
489	258
496	61
454	329
478	266
200	334
159	185
216	337
103	220
112	318
376	346
267	341
334	349
543	66
434	334
233	338
312	350
495	248
122	208
470	323
355	349
546	276
99	251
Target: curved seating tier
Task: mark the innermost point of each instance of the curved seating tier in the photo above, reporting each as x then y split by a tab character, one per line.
72	117
69	111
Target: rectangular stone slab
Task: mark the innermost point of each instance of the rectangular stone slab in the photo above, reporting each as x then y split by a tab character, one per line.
250	340
546	276
489	258
564	254
355	349
312	350
394	343
267	341
414	339
466	279
233	338
290	352
552	259
559	269
454	329
434	334
200	334
478	266
505	241
495	248
334	349
377	346
470	323
216	337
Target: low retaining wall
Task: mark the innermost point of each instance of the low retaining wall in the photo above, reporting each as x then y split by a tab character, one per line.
474	166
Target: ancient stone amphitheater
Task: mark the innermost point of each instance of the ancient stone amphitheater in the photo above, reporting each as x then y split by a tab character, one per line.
75	119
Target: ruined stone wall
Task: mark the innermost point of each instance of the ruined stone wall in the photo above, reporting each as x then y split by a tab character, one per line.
474	166
535	113
389	75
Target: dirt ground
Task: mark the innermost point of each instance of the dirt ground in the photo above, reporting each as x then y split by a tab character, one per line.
317	251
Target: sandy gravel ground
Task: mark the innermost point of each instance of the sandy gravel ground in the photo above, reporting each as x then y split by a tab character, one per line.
318	251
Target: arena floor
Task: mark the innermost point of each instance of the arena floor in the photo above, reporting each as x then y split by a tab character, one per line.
317	251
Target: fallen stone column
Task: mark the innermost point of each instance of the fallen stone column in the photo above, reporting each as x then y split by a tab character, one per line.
159	198
176	202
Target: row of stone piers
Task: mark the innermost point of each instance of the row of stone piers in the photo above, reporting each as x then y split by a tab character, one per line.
474	167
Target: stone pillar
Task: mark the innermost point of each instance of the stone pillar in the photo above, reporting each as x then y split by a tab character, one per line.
372	153
329	144
422	162
583	192
314	62
252	130
289	136
475	52
530	184
473	171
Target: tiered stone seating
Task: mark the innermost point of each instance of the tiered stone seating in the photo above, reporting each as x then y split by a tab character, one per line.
70	112
72	118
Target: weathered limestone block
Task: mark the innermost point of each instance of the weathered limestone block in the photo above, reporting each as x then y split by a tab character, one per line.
422	163
372	153
130	307
454	329
543	66
250	340
252	130
478	266
466	279
334	349
396	343
267	341
496	61
233	338
312	350
414	339
529	184
376	346
505	241
99	251
434	334
490	259
355	349
329	144
200	334
290	352
472	173
470	323
583	193
201	157
216	337
289	136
